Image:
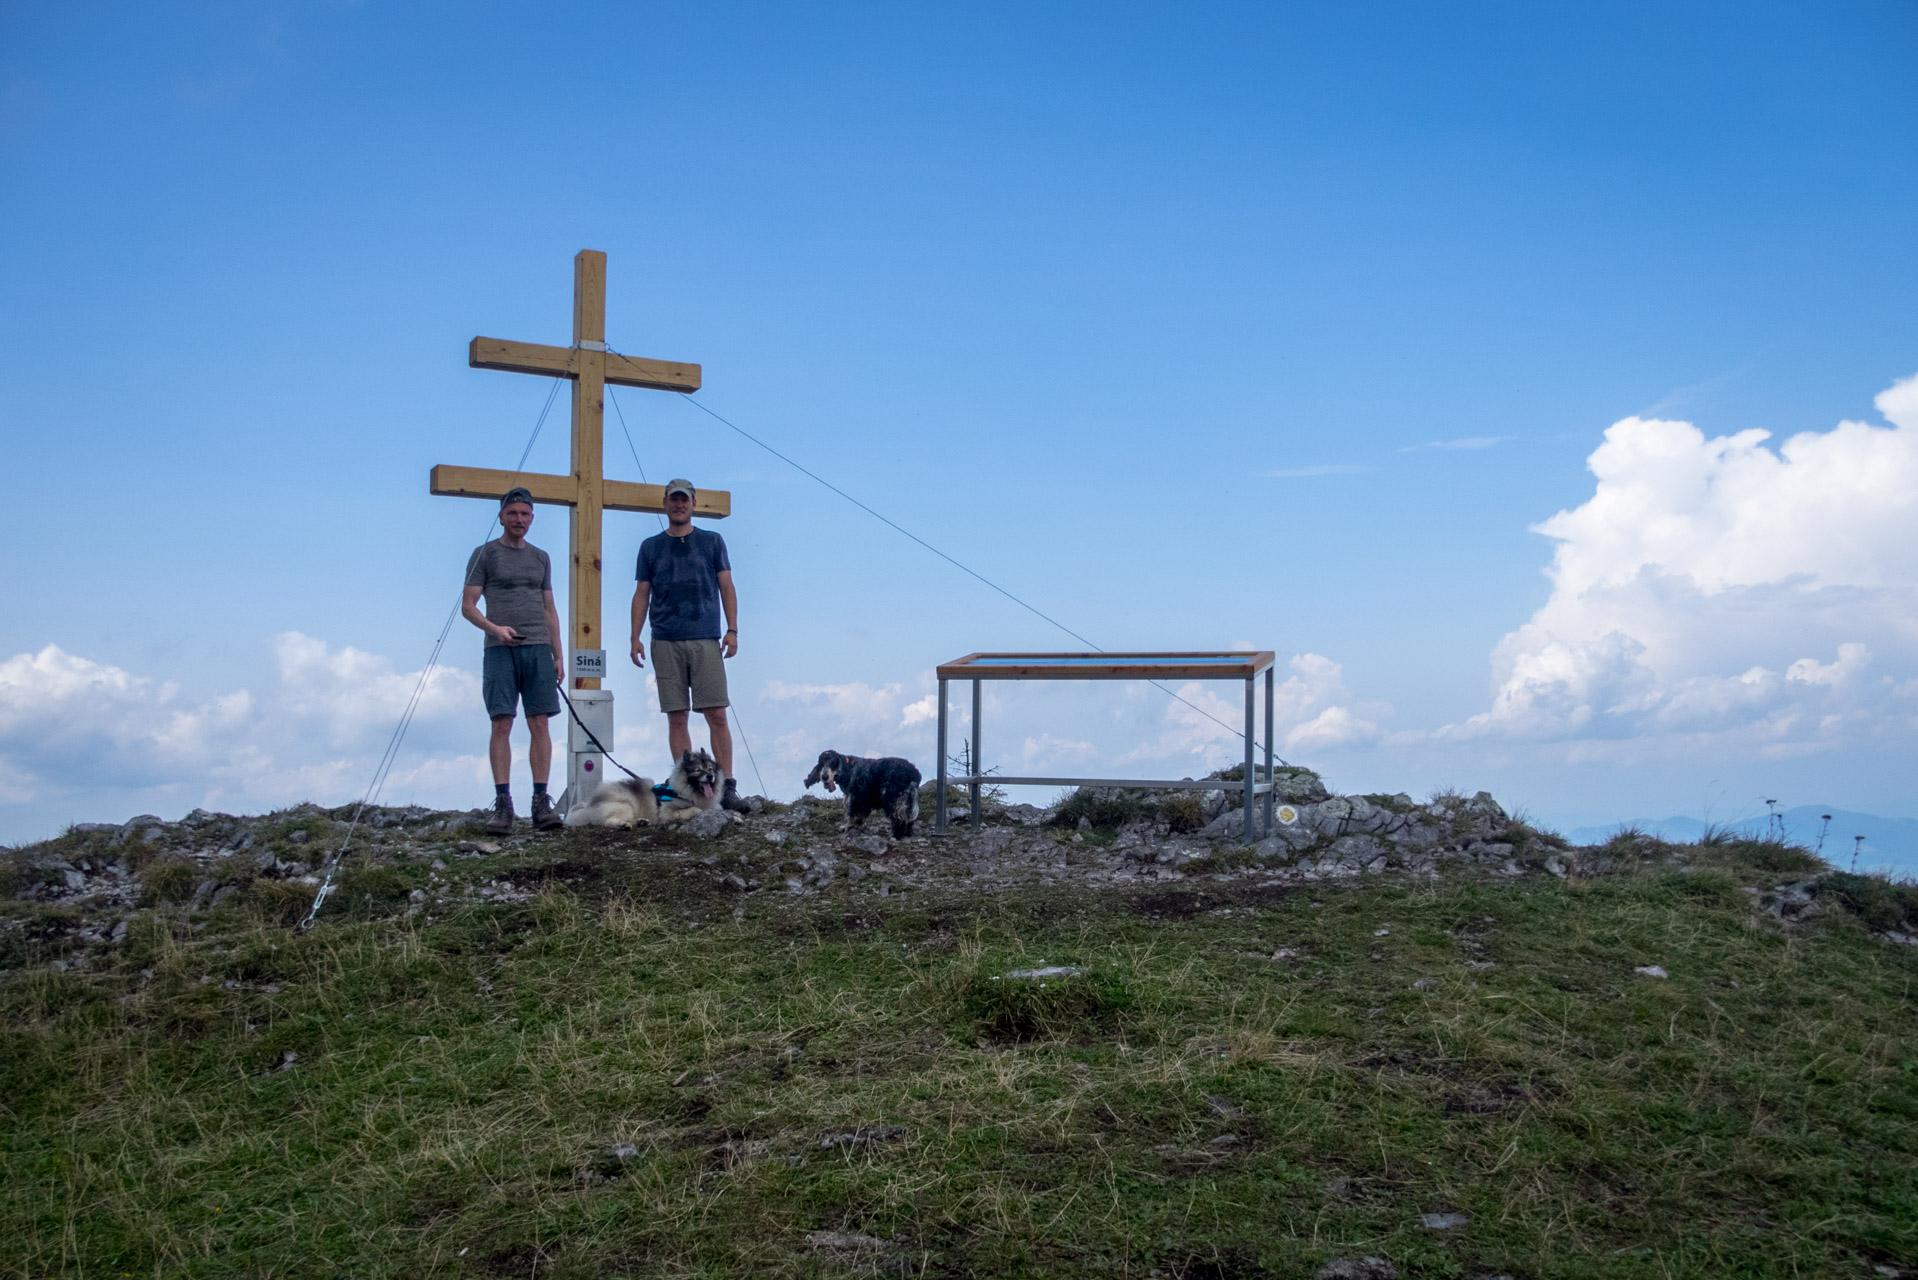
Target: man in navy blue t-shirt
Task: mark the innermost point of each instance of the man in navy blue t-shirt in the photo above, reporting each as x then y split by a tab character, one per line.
685	583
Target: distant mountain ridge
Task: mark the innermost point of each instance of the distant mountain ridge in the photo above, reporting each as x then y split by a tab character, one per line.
1891	844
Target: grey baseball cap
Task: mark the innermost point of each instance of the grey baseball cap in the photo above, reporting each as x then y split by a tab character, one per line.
681	486
516	495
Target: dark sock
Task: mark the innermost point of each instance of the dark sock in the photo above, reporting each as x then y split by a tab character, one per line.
539	788
501	789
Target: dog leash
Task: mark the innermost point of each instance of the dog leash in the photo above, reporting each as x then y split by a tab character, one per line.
590	737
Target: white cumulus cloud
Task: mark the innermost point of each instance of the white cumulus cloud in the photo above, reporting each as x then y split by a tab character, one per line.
77	734
1312	711
1714	589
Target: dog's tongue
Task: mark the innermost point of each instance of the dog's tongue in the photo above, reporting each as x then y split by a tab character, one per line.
829	786
705	788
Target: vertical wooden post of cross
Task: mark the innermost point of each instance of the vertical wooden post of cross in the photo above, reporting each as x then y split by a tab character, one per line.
589	429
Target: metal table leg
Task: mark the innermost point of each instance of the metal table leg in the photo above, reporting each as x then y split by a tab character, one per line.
939	792
978	769
1271	788
1251	779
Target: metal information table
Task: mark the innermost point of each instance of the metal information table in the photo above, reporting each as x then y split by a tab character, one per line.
980	667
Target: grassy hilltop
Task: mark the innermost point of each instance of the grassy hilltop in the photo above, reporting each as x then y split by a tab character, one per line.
767	1052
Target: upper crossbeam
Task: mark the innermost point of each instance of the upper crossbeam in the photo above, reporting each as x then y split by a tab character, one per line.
563	362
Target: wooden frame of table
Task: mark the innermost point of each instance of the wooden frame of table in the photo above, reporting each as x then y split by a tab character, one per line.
1198	665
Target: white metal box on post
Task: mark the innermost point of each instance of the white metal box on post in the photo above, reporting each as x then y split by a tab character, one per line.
591	717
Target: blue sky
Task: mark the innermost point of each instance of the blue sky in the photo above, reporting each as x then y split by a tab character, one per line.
1280	325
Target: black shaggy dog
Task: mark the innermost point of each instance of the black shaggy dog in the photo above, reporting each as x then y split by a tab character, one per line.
889	783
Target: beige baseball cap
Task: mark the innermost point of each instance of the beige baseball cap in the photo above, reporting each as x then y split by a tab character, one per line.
681	486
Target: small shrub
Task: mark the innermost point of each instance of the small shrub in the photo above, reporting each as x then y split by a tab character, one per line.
283	902
1108	808
170	880
1763	855
1183	813
1709	886
149	942
268	956
138	854
1631	845
1003	1008
372	890
1879	902
1102	807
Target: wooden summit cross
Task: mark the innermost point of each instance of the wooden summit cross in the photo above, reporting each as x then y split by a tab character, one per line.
587	491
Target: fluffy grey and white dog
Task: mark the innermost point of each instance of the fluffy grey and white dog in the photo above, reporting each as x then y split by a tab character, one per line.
888	783
636	802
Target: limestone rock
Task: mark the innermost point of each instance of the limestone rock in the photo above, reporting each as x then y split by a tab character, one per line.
1416	834
1356	851
871	843
867	1136
710	822
1794	902
845	1242
144	827
1298	786
1357	1269
1229	825
1484	806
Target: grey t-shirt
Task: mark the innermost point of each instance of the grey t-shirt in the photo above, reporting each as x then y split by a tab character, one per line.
514	582
685	577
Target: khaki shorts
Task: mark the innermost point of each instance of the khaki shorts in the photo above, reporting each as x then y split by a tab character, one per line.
679	665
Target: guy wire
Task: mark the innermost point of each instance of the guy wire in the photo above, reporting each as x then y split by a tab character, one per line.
391	754
1032	609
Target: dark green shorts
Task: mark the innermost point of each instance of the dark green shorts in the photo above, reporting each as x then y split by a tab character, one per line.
514	673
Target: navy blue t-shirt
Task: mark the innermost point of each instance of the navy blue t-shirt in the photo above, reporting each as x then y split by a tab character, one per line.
685	577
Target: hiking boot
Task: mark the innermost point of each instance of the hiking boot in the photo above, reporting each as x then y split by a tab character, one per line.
729	799
544	816
501	823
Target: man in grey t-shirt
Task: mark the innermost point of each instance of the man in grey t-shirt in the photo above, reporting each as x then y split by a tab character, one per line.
522	654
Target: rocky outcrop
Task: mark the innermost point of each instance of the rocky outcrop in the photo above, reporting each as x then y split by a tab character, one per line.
94	883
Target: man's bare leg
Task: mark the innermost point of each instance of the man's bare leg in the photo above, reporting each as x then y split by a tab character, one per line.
500	750
540	753
722	735
678	736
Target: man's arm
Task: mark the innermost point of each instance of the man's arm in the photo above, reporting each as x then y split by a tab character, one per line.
729	601
642	594
469	609
552	629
